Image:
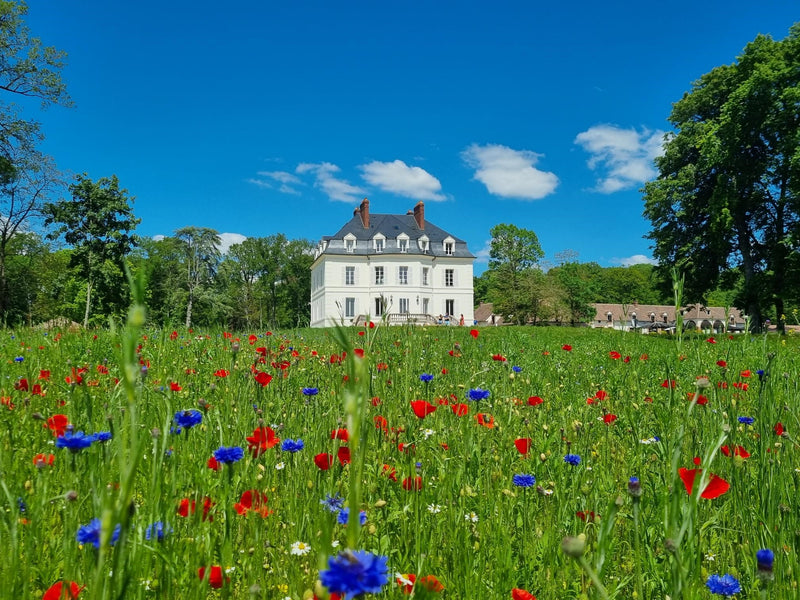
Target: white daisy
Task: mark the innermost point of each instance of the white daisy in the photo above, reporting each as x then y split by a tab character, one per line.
434	509
300	548
280	466
471	516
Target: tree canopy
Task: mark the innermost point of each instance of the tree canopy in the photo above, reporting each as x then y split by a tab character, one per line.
725	202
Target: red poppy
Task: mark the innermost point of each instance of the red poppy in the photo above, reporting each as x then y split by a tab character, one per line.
334	596
609	419
402	447
534	401
213	464
390	472
263	438
375	401
340	434
669	383
589	514
601	394
44	460
173	336
523	445
711	340
615	355
412	484
253	500
627	359
737	451
175	386
57	591
58	424
359	352
460	410
214	576
567	347
701	400
323	461
21	385
499	357
486	420
187	507
778	429
518	594
443	401
381	366
343	454
474	333
252	338
746	373
714	489
722	363
740	386
422	408
221	373
43	374
263	378
380	422
36	390
427	582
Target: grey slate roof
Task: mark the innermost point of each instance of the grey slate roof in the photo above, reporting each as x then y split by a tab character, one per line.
392	226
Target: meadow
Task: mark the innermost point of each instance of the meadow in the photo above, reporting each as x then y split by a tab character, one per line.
487	464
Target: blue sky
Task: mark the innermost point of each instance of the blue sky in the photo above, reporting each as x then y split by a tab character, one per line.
255	118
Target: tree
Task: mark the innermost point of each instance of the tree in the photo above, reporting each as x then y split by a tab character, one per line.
512	251
201	257
579	284
98	223
726	197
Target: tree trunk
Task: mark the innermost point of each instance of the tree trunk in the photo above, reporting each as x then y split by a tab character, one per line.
88	303
189	311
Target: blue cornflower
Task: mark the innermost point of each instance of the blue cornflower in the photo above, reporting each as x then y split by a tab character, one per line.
572	459
516	369
229	455
333	503
426	377
725	585
761	374
90	534
765	559
185	419
19	358
23	508
746	420
289	445
478	394
524	480
157	531
355	572
310	391
75	441
102	436
344	516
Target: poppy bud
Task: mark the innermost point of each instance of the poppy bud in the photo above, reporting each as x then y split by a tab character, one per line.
574	546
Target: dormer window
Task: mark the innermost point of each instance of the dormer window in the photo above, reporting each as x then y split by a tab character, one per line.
379	243
349	243
424	244
449	246
402	243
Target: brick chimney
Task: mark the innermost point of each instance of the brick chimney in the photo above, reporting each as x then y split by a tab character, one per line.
364	210
419	215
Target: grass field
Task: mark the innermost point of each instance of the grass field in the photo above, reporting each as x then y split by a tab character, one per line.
452	443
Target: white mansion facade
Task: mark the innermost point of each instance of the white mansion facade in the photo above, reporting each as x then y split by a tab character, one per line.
393	267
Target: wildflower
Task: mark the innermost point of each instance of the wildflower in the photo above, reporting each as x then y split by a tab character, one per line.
280	466
737	451
746	420
263	378
221	373
669	383
426	377
434	509
58	591
74	441
90	534
765	559
44	460
102	436
427	582
333	503
428	433
725	585
459	410
523	445
519	594
478	394
609	419
485	419
253	500
58	424
722	364
634	488
524	480
289	445
355	572
310	391
157	531
186	419
343	454
229	455
422	408
19	359
714	489
262	439
615	355
471	517
566	348
778	429
535	401
300	548
572	459
340	434
214	576
499	357
412	484
344	516
516	369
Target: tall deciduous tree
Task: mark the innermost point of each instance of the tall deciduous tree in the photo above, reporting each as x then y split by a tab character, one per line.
726	196
512	252
98	222
201	258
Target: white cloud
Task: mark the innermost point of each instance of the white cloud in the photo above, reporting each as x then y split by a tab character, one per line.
510	173
399	178
622	157
229	239
636	259
286	181
158	238
336	189
482	255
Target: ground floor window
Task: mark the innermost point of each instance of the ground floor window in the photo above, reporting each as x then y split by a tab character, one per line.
403	305
450	307
349	307
378	306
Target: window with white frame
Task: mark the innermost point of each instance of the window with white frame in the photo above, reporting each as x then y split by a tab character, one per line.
424	275
450	307
379	244
402	244
403	305
349	275
349	307
350	246
449	277
402	275
379	276
378	306
424	243
448	248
